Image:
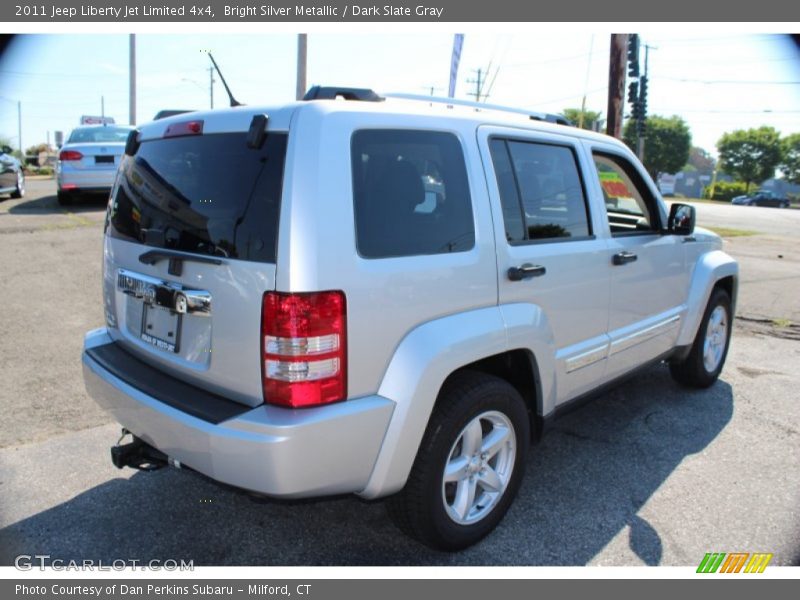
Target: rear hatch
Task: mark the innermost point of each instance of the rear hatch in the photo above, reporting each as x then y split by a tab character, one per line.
190	249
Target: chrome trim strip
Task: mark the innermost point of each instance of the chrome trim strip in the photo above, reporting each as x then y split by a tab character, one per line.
634	339
585	359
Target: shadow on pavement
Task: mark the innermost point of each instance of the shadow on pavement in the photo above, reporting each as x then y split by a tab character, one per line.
49	205
585	483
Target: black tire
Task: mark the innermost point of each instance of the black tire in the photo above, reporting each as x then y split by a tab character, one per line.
419	510
64	199
694	371
19	191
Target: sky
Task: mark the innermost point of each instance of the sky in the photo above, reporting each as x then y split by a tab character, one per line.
715	78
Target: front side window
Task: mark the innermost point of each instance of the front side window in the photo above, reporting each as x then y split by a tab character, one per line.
410	193
629	204
540	191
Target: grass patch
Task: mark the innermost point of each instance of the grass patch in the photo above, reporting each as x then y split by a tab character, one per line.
781	322
728	232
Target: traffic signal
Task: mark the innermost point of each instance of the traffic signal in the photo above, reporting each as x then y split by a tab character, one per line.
636	111
633	92
633	55
641	124
643	96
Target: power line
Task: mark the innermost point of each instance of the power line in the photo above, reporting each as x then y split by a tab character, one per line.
729	81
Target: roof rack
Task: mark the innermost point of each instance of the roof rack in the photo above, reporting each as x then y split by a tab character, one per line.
319	92
478	106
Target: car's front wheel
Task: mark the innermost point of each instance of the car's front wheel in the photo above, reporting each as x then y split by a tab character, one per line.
702	366
469	465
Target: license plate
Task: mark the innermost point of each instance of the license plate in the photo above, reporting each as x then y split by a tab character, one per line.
161	327
98	160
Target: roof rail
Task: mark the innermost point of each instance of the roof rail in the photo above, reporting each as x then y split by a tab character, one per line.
319	92
478	106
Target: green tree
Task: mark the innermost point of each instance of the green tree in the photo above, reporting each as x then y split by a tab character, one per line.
590	117
750	154
701	159
666	143
790	158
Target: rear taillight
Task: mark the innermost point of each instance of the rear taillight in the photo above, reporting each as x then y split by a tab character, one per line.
70	155
304	348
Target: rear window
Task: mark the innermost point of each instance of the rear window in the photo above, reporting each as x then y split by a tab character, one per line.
99	134
206	194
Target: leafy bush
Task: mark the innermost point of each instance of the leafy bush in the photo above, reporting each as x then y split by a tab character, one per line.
725	190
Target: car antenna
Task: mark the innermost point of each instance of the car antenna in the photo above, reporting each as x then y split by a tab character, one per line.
234	101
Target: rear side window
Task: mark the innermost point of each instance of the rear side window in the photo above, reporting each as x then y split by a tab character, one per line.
411	194
540	190
206	194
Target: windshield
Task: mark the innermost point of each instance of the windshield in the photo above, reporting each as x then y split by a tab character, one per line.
207	194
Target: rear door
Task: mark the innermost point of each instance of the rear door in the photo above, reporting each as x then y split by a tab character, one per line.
548	252
191	248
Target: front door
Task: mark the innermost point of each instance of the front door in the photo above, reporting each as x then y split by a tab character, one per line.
649	281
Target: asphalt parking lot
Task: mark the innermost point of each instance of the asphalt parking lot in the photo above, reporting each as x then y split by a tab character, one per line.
649	474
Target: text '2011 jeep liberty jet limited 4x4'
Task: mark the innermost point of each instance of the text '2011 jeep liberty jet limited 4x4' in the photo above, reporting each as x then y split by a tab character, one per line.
388	297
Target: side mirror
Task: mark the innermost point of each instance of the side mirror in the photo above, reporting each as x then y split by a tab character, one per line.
682	218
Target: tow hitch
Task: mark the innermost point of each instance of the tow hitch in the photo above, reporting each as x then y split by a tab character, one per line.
137	454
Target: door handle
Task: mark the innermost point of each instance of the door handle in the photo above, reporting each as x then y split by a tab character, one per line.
526	271
622	258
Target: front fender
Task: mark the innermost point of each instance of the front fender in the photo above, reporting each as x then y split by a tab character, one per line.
710	268
421	364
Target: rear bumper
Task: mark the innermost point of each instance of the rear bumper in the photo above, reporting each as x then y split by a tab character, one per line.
267	449
86	179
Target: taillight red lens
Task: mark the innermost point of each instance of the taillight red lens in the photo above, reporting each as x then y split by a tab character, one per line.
70	155
304	348
184	128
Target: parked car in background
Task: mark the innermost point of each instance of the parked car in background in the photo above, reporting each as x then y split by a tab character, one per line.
88	162
761	198
12	179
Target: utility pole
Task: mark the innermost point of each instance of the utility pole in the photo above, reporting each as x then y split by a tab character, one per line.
302	58
211	85
479	81
616	84
132	80
102	107
19	127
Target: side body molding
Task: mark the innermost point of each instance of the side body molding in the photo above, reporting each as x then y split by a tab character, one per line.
423	361
710	268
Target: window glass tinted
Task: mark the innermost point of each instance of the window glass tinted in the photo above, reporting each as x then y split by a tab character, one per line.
540	190
107	134
411	194
208	194
624	194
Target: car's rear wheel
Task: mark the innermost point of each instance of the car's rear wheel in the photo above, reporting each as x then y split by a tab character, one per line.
19	191
469	465
702	366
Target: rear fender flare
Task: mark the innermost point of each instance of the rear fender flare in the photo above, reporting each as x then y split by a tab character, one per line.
426	357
